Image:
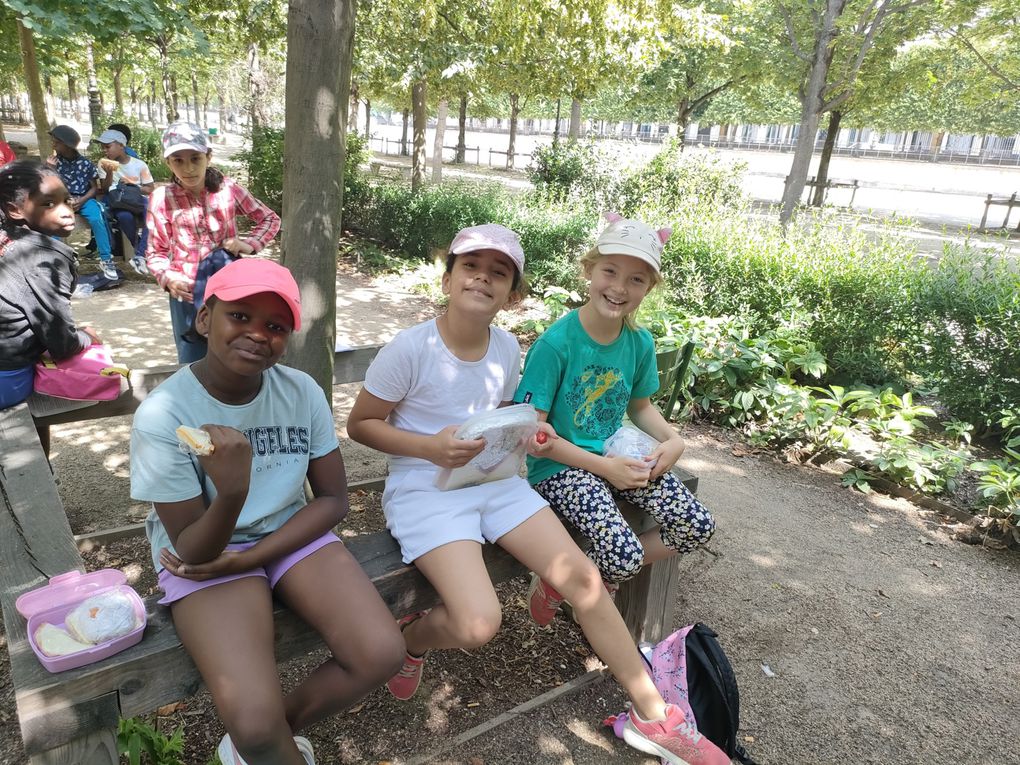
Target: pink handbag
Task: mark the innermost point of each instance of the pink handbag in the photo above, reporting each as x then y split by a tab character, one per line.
89	375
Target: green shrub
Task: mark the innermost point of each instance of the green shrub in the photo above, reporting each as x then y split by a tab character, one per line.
264	165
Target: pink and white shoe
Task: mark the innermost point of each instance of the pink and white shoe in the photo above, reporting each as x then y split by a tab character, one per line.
674	739
228	754
404	684
543	601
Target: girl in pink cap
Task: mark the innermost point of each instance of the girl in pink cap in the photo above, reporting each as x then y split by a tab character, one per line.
424	384
232	529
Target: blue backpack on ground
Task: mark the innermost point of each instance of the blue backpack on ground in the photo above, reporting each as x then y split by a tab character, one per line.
691	671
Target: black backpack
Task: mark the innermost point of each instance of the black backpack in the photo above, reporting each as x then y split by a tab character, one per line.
712	689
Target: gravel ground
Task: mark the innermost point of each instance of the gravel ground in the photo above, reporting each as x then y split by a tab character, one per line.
888	641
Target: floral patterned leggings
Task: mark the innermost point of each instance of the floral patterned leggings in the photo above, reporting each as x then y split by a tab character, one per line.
587	501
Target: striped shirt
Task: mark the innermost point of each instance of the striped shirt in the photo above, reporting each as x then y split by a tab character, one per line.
184	228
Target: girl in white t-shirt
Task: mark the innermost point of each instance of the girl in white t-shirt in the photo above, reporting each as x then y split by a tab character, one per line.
116	168
417	392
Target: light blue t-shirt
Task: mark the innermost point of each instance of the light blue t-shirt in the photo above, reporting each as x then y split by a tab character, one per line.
583	385
289	423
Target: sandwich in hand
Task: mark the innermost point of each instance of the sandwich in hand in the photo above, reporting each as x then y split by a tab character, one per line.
195	440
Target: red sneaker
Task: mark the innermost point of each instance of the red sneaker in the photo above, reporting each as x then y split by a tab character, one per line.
674	739
543	601
404	684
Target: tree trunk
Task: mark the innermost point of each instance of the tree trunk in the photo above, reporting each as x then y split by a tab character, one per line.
118	89
515	110
35	89
72	95
175	98
437	143
150	99
368	119
419	118
257	116
403	136
683	119
169	101
575	119
196	101
352	118
556	126
51	105
462	131
811	106
818	198
317	88
95	105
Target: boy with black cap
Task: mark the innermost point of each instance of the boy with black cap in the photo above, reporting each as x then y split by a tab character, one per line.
79	176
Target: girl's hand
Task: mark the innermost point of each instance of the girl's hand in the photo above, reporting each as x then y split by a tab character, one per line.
541	442
667	454
626	472
229	465
92	335
226	563
235	246
180	291
448	451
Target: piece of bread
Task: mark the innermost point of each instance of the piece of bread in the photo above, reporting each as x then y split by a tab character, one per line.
54	641
195	440
102	617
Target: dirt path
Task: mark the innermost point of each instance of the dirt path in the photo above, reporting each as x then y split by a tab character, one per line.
890	643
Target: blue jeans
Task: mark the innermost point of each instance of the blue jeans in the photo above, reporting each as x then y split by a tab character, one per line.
93	212
16	385
182	317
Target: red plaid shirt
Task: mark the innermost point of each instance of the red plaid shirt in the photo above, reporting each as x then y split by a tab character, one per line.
183	228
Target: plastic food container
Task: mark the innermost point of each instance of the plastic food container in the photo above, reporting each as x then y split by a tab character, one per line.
628	441
506	431
54	601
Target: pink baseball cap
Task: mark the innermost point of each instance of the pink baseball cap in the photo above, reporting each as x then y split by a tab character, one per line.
490	236
250	276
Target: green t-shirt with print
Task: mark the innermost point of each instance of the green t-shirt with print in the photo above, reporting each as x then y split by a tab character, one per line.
583	385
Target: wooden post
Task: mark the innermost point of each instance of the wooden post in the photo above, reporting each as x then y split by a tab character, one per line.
853	194
988	202
1009	209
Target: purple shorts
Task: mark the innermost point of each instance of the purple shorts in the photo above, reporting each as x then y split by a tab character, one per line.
175	587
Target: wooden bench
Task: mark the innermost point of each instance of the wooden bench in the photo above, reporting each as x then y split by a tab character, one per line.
398	168
833	183
72	717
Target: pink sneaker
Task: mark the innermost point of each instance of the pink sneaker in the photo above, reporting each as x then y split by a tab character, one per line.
674	739
543	601
404	684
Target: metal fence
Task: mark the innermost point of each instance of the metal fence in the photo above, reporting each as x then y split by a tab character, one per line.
402	148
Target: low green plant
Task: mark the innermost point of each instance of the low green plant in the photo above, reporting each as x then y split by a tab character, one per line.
857	479
557	301
136	738
999	483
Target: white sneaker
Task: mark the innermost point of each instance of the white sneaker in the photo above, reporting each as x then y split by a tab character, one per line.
139	265
109	270
228	754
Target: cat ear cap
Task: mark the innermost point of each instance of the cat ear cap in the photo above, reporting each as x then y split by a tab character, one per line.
624	236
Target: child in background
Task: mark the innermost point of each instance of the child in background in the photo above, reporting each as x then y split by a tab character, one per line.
420	387
37	276
231	530
191	218
583	374
79	176
115	169
121	127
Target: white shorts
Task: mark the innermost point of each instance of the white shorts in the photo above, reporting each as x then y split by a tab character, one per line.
421	517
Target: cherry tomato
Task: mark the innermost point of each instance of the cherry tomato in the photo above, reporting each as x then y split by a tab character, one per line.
541	437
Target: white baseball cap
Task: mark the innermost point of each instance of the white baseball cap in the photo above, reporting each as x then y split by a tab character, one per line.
490	236
625	236
110	136
184	135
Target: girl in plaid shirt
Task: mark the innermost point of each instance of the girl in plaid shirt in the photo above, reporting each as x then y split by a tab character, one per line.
189	220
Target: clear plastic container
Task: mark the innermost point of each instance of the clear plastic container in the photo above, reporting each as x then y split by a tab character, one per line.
628	441
506	431
52	603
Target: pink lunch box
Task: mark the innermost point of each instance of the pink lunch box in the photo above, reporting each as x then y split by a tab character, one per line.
52	602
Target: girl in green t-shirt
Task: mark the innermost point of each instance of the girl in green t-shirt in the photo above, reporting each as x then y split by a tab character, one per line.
585	373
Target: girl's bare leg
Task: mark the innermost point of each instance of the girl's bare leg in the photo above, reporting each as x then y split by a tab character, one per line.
544	546
470	614
228	631
331	592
